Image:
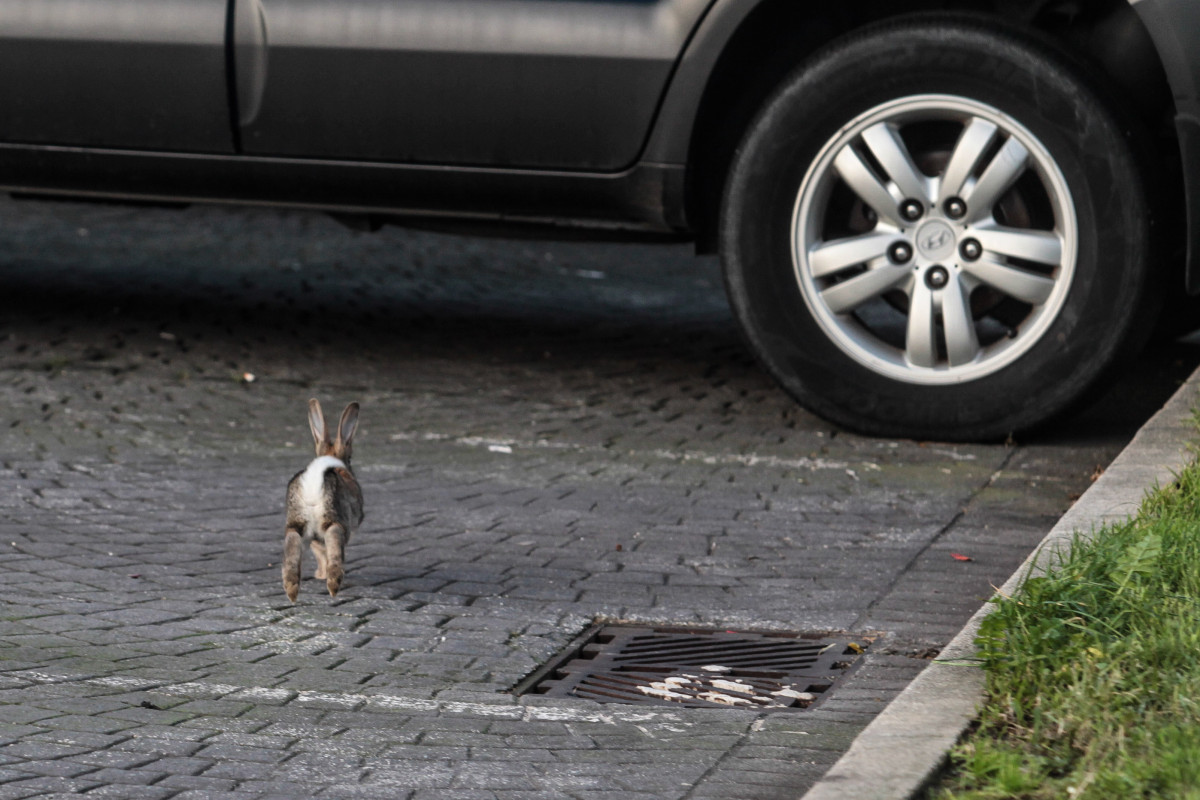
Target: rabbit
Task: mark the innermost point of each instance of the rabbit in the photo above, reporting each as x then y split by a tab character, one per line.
324	504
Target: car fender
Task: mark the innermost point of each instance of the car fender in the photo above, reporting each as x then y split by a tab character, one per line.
672	131
669	142
1174	26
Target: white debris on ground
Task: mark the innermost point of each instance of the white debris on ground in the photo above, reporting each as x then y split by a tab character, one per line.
724	691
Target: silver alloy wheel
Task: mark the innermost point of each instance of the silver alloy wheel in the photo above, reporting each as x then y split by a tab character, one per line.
934	239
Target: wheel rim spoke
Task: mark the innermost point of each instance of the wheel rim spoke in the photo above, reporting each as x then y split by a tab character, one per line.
831	257
920	341
969	149
962	343
885	143
862	181
997	178
1028	287
844	297
1044	247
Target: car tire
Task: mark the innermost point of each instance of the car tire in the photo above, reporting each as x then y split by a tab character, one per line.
937	229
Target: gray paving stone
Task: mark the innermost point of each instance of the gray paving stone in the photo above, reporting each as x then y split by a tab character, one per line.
19	791
122	791
126	777
115	759
180	783
60	768
239	771
46	786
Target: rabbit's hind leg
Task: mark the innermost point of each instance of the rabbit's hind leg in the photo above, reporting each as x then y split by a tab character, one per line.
335	537
292	554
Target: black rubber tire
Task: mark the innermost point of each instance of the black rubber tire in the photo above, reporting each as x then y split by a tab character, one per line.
1105	315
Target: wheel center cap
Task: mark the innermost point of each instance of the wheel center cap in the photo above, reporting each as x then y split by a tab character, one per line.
935	240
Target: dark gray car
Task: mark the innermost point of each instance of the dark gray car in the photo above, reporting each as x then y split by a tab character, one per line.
937	219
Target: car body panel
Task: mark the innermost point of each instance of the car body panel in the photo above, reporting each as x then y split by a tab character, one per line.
1174	25
552	84
115	73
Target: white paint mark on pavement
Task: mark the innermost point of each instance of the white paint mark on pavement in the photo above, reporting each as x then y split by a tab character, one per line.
715	459
351	700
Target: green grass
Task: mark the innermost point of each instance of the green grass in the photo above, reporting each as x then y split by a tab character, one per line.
1093	670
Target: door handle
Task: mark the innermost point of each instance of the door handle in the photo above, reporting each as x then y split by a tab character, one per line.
250	58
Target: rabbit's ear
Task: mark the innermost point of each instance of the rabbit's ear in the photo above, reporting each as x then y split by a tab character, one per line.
348	424
316	421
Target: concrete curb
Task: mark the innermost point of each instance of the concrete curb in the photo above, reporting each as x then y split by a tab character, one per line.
901	751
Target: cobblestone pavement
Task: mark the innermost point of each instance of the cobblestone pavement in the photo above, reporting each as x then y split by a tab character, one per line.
551	434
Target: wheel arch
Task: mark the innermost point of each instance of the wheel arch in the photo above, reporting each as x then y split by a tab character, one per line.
744	48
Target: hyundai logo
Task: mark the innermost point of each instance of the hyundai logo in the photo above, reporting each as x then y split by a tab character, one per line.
935	240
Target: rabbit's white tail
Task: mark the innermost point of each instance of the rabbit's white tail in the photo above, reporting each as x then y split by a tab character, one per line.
312	480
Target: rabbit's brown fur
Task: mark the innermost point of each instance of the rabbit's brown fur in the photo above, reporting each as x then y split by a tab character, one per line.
324	503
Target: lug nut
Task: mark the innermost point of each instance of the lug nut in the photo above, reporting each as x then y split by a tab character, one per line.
937	277
955	208
900	252
970	249
912	210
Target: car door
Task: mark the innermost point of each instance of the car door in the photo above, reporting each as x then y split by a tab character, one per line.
144	74
550	84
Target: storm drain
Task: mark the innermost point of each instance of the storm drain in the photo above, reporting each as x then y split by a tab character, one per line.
699	668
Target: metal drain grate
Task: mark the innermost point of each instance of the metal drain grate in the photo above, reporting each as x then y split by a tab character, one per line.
699	668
